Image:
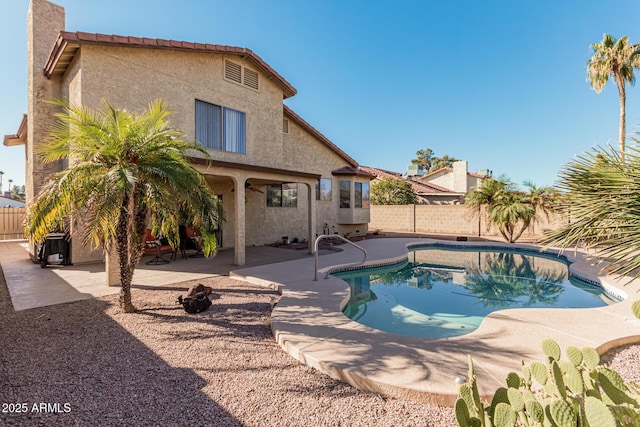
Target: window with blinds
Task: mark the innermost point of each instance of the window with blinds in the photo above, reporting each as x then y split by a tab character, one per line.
220	128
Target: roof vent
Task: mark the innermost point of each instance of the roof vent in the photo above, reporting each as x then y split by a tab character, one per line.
251	79
233	71
241	75
485	172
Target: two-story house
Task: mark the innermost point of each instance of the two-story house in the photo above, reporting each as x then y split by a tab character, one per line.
275	174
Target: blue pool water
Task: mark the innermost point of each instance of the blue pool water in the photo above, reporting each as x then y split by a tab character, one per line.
439	293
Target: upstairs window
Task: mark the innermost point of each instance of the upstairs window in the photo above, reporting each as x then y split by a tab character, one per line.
241	75
220	128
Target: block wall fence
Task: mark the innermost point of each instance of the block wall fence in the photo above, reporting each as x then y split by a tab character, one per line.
455	220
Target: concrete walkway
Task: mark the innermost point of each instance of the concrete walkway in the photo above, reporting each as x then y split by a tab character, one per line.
308	322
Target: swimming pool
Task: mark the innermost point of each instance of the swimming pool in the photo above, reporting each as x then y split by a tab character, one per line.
441	292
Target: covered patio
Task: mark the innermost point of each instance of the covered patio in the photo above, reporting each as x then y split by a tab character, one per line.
241	188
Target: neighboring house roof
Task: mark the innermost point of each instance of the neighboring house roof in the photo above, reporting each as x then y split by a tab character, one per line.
352	171
7	202
432	188
68	43
381	173
419	188
302	123
449	170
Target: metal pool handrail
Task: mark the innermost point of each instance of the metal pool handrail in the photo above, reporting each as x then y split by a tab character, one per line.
333	236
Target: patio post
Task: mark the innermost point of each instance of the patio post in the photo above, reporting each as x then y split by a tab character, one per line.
240	219
312	217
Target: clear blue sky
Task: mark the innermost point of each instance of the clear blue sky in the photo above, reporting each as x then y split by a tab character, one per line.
501	84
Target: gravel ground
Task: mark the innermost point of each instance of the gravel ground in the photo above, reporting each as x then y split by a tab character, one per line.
88	364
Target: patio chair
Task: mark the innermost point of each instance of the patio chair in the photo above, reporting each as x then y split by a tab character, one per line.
189	240
154	246
192	241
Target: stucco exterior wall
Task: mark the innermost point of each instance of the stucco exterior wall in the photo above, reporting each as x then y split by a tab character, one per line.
132	77
443	179
266	225
307	153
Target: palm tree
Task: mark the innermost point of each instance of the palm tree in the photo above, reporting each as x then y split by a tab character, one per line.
617	59
17	192
512	214
10	182
1	173
512	211
486	194
127	170
543	200
601	195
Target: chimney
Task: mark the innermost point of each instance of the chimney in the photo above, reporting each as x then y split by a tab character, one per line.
45	20
460	170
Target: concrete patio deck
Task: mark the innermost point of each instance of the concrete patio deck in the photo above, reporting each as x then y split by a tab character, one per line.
31	286
308	323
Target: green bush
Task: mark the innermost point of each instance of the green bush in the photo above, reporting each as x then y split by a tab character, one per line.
574	392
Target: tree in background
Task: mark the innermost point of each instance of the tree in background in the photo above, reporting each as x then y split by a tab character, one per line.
442	162
430	163
424	158
511	210
18	192
127	171
392	191
543	200
614	59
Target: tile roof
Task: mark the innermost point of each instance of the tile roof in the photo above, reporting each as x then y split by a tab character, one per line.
433	188
351	171
381	173
68	43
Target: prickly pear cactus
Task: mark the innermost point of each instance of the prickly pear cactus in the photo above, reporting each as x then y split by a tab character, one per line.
574	392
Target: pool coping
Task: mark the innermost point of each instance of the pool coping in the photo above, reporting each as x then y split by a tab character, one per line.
308	323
